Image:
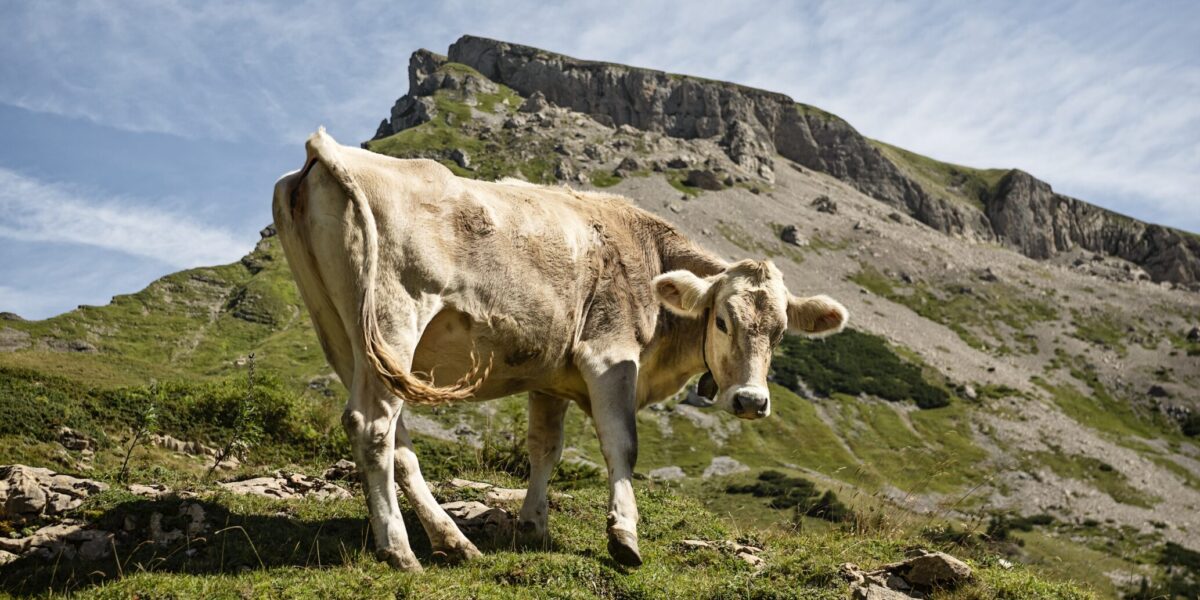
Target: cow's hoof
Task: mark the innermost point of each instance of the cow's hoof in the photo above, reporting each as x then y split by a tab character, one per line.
623	547
531	536
458	553
401	561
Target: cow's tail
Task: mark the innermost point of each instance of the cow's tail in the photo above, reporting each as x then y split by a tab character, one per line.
383	360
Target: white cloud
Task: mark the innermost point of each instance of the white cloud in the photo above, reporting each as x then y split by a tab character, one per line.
34	211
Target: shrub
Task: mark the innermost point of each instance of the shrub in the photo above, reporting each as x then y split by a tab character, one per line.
795	493
853	363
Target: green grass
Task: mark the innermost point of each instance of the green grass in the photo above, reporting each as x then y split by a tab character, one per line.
256	547
603	179
944	180
1098	473
979	312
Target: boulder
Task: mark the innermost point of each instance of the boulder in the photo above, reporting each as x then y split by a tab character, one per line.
791	235
535	103
460	158
671	473
479	520
287	486
722	466
498	495
32	491
705	180
74	440
1193	335
342	470
825	205
934	569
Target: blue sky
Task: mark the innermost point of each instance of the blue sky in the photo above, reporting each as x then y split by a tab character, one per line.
144	137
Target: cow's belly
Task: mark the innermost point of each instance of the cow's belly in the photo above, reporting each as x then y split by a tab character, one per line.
522	358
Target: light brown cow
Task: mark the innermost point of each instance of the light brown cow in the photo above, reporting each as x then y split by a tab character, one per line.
493	289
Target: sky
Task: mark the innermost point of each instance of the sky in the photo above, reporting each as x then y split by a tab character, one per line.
141	138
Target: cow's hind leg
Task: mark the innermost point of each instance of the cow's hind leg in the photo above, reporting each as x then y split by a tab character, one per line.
370	420
545	443
612	388
444	535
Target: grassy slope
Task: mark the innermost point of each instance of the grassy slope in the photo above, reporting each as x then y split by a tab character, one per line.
316	549
944	180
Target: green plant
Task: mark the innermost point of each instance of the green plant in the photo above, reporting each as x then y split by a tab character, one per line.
145	424
247	430
852	363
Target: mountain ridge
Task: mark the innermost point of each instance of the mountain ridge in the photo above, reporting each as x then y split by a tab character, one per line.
753	126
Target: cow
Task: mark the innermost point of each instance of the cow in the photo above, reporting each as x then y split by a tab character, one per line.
427	288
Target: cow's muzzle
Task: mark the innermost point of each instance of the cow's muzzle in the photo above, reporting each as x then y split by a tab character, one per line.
751	403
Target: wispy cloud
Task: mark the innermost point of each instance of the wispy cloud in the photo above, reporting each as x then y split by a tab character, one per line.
34	211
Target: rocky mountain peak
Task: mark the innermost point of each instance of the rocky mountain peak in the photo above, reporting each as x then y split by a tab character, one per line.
753	129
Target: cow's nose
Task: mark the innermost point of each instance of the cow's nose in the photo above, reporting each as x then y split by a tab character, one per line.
751	404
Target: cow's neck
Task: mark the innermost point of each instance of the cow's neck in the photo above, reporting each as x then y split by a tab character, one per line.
678	354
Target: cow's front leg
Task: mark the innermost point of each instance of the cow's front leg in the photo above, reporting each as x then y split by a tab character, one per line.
370	420
444	534
613	392
545	443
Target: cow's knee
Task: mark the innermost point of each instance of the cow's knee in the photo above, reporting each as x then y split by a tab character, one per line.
370	439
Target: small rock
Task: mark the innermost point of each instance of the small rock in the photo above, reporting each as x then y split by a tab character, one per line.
933	569
671	473
498	495
460	158
989	275
791	235
969	392
754	561
342	470
825	205
1194	335
73	440
468	484
705	180
7	557
1158	391
694	544
476	518
627	167
153	491
877	592
268	231
895	216
722	466
678	162
535	103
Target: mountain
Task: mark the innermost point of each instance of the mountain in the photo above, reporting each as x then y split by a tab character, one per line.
753	126
1022	371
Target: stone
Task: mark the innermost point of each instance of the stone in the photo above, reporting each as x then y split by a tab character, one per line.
969	392
535	103
498	495
722	466
74	440
791	235
267	232
988	275
694	544
627	167
824	205
1158	391
153	491
287	486
342	470
7	557
678	162
460	158
705	180
934	569
671	473
877	592
754	561
468	484
1193	335
476	518
23	494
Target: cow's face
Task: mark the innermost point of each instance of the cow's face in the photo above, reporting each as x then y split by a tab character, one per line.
747	311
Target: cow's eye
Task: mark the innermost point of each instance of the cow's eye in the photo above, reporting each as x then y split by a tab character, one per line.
721	325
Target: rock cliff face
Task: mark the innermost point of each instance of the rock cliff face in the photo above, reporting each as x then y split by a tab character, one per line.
754	127
1028	216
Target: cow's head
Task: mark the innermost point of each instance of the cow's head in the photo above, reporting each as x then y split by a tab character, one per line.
747	310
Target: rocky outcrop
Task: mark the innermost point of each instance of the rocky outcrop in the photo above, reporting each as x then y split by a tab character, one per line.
753	127
1027	215
33	492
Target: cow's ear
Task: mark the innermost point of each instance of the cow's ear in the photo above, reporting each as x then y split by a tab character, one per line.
816	316
682	292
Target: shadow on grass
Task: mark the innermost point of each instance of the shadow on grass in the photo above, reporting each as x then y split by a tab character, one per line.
164	536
